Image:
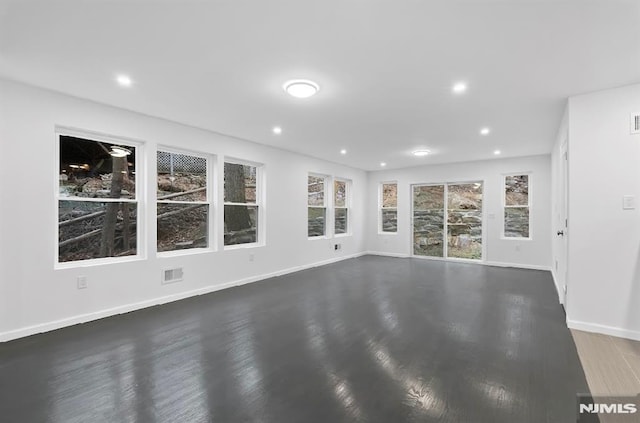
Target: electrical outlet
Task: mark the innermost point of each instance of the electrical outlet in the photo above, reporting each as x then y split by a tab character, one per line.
518	247
337	247
82	282
251	257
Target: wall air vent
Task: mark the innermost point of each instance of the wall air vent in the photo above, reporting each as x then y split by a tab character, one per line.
172	275
635	123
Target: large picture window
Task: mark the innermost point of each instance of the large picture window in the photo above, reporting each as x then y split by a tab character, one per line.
97	198
517	202
317	206
241	203
183	201
341	206
389	207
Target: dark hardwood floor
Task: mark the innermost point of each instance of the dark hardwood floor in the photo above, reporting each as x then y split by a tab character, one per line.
371	339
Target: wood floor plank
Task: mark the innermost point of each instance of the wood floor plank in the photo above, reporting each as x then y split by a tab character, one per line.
606	371
371	339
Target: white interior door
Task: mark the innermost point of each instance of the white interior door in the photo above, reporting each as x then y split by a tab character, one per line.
561	226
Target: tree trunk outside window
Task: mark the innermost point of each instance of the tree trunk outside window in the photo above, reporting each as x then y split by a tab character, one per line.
107	244
236	218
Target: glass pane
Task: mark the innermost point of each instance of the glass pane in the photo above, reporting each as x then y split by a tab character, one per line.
340	191
389	220
316	221
517	190
182	226
464	221
89	230
390	195
181	177
239	183
428	197
315	191
516	222
240	224
341	221
96	169
428	220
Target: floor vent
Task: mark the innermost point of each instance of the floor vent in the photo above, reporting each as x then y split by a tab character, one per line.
635	123
172	275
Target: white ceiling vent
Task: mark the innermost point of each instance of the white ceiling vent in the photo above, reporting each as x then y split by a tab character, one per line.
172	275
635	123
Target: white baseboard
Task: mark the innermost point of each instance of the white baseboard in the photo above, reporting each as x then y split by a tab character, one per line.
517	265
555	283
84	318
606	330
486	263
384	254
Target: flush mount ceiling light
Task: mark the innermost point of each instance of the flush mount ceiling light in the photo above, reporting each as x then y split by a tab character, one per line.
343	151
421	153
124	80
277	130
301	88
459	87
485	131
119	151
497	152
383	164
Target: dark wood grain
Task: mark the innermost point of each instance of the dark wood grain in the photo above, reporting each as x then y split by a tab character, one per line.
365	340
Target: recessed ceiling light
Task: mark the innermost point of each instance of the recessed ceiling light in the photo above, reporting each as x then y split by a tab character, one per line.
459	87
301	88
124	80
343	151
383	164
277	130
485	131
421	153
497	152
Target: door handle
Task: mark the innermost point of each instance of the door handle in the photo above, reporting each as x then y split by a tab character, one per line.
560	233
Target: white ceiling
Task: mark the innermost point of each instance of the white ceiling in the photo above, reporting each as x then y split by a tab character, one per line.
385	67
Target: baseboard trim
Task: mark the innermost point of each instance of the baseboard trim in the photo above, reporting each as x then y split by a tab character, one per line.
555	283
518	265
127	308
384	254
603	329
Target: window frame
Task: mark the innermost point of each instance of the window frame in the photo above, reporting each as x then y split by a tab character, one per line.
259	204
347	206
381	207
139	200
529	206
328	200
211	227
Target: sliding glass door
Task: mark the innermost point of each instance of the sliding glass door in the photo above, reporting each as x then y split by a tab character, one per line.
428	220
459	218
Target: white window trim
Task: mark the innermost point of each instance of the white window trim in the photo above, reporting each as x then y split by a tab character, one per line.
211	227
140	197
260	204
327	197
347	206
504	206
381	208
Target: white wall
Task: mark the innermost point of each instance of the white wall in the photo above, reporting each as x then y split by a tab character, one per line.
35	297
534	253
604	239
